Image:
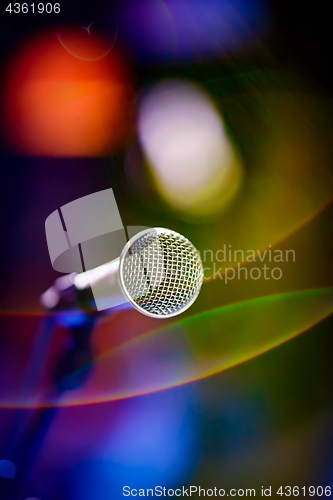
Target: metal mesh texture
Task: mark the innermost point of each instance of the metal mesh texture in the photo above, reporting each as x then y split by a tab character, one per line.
162	273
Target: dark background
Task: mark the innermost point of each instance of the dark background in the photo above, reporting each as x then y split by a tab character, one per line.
264	423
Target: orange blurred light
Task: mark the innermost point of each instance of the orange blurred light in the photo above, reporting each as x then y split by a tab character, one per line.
56	104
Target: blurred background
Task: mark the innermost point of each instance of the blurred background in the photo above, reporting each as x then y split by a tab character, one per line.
212	118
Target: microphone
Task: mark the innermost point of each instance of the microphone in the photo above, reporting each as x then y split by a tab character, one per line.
159	272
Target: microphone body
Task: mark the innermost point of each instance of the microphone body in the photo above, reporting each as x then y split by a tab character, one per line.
75	290
159	272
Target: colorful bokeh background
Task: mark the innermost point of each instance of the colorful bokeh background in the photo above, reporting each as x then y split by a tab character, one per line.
212	118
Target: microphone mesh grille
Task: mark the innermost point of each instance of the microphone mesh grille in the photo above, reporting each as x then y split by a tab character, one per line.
161	272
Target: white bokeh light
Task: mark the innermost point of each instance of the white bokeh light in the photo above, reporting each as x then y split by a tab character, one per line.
188	150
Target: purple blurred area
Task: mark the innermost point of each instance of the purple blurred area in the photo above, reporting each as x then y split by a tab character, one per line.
187	30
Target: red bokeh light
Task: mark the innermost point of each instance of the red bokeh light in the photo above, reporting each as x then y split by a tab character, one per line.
86	43
56	104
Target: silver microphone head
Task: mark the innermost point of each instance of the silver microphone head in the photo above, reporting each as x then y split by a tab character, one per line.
160	272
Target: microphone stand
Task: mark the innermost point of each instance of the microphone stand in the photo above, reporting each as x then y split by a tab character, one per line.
72	369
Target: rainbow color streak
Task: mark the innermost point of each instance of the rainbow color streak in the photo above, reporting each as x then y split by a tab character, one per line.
193	348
